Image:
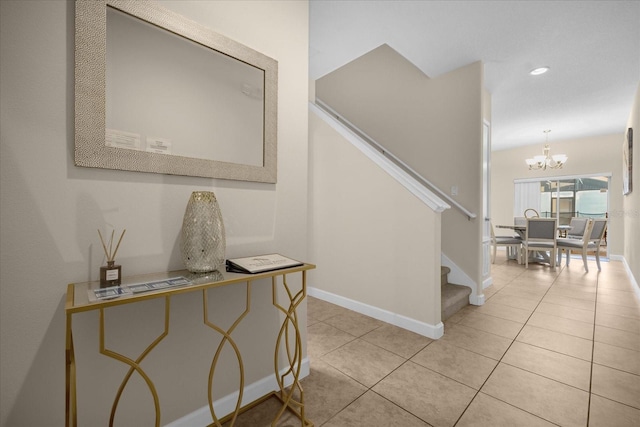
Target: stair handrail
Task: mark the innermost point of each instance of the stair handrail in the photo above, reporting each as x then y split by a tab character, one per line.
353	128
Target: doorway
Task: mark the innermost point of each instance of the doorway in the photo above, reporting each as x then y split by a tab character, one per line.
585	196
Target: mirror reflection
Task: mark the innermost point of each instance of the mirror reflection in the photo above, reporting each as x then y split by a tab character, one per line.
156	92
167	94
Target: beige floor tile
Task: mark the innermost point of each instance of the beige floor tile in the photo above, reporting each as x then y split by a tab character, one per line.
354	323
540	396
604	413
516	301
328	391
428	395
456	363
490	292
550	364
616	385
616	357
621	284
573	277
618	322
480	342
540	272
525	290
566	312
569	302
487	411
323	338
617	337
495	325
320	310
623	293
456	318
556	341
573	293
397	340
504	312
263	415
562	325
364	362
577	275
622	300
618	310
372	410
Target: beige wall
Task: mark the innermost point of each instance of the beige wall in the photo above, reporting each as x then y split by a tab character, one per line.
631	203
595	155
433	125
377	243
50	211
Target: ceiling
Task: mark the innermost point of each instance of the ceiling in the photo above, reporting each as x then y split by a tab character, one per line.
592	48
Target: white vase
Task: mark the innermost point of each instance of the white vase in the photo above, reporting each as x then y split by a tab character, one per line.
203	241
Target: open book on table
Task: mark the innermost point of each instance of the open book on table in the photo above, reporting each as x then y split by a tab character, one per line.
260	263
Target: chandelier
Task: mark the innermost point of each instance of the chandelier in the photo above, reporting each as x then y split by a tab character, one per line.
546	160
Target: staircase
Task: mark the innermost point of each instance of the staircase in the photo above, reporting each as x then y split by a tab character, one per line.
453	297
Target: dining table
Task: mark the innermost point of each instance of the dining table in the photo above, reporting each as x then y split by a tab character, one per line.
535	256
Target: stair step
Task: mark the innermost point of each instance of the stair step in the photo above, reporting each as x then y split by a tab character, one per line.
454	298
444	271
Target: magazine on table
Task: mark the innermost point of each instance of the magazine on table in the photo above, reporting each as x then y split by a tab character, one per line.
118	291
260	263
173	282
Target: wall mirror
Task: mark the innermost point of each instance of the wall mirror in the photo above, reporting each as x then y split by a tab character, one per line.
157	92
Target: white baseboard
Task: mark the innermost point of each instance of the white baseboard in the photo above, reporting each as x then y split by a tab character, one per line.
227	404
633	280
421	328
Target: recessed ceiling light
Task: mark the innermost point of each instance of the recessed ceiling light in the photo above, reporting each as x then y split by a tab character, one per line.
538	71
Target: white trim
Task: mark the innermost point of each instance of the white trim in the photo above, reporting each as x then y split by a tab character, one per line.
487	282
561	177
459	277
227	404
633	280
406	180
413	325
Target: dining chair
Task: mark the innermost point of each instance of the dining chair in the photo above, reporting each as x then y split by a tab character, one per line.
520	221
575	242
541	236
531	213
590	242
578	226
511	243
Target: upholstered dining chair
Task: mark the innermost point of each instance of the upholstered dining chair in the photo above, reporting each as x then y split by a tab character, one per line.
578	226
541	236
513	245
576	242
531	213
589	243
520	221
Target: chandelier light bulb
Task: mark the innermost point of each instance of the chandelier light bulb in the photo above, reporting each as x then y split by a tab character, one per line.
546	160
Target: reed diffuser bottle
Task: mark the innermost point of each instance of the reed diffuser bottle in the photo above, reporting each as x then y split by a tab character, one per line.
111	274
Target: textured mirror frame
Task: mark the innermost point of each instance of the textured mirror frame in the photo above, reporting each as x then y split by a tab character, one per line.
90	96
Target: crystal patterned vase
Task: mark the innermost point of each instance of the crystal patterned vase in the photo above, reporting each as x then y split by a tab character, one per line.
203	241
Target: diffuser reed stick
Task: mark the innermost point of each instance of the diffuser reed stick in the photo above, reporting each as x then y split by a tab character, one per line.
108	253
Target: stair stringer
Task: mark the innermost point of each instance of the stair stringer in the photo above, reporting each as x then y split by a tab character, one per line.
459	277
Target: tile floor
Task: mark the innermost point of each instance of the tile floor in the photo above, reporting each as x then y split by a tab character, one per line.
545	349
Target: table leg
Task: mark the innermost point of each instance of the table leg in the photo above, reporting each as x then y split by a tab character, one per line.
293	352
71	414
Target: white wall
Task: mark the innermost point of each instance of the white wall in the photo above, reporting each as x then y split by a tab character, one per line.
51	209
594	155
631	202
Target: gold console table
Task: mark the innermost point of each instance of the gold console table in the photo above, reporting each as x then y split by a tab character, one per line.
78	301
